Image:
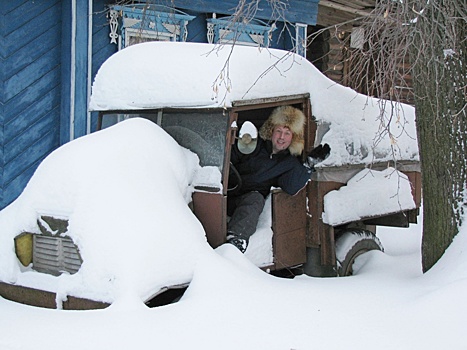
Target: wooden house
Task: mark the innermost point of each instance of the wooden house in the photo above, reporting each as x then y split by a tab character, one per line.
51	50
335	47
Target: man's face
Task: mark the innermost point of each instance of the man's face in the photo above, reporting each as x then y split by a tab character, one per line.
281	138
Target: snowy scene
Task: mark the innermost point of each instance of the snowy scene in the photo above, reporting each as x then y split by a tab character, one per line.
125	192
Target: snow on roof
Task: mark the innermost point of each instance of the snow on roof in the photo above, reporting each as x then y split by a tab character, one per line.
359	129
125	189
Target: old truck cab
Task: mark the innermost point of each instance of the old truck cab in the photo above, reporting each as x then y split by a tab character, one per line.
202	94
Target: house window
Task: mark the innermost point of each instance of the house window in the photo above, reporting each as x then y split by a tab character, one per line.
133	24
230	30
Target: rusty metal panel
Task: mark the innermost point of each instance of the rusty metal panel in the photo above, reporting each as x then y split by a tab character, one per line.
289	211
289	228
415	179
316	190
73	303
211	211
320	235
289	248
28	296
41	298
328	246
315	208
310	128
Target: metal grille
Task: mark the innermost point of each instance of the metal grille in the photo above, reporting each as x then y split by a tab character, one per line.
55	255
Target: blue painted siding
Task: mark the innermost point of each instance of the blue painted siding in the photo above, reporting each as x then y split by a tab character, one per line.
30	50
81	79
36	72
197	29
295	11
101	47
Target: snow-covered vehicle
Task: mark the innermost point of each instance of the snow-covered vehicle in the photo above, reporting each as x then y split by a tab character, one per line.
202	94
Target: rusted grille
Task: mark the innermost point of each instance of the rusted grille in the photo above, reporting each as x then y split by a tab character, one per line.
55	255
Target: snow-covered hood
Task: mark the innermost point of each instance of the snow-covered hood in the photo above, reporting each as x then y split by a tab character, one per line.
124	192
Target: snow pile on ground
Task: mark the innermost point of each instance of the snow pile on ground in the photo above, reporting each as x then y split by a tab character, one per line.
358	128
134	170
231	304
101	181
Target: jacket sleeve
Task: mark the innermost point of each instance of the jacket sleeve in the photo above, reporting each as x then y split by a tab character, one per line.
295	179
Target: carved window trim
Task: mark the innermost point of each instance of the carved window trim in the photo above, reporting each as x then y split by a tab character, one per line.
146	23
228	30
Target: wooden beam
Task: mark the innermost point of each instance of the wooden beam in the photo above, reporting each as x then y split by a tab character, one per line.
334	5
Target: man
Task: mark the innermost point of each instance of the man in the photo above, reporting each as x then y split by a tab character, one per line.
273	163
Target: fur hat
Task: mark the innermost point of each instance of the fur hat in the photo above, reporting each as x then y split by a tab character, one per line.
290	117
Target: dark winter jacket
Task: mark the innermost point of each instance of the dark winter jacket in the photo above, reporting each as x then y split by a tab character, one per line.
262	170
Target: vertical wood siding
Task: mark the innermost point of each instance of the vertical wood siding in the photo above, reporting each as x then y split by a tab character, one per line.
30	53
101	47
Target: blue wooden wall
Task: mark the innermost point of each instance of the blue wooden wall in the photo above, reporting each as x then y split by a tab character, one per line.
101	47
45	71
293	11
30	54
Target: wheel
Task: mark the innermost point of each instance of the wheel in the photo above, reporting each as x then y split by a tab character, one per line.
351	245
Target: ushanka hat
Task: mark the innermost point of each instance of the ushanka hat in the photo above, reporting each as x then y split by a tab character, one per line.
290	117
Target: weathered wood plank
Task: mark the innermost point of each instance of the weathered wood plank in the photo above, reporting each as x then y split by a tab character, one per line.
30	35
101	47
22	143
27	54
8	6
26	34
28	11
197	29
32	72
37	151
32	94
81	70
15	186
29	116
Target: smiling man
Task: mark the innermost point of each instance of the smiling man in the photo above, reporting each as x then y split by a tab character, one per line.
273	163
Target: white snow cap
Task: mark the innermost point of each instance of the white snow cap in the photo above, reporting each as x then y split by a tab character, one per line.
125	192
359	129
248	128
370	193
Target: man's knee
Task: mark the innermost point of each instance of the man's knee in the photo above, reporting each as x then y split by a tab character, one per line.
254	198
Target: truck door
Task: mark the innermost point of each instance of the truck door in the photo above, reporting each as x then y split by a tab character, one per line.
289	228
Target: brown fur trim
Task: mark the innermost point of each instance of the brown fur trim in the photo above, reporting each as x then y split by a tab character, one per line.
290	117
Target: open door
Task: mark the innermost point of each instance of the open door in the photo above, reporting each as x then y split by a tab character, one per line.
289	228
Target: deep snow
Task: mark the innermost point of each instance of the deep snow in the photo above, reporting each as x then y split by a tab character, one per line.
230	304
103	180
125	192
